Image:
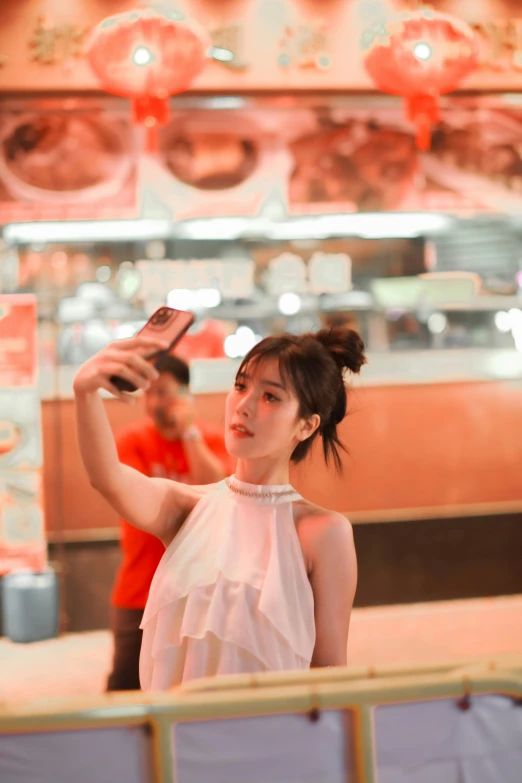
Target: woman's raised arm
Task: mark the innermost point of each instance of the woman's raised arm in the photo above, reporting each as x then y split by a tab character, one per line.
157	506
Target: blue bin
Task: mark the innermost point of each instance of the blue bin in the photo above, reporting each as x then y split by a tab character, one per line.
30	606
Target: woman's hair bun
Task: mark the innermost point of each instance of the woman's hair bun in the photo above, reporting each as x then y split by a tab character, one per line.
345	346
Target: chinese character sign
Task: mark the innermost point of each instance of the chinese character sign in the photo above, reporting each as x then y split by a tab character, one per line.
17	341
22	539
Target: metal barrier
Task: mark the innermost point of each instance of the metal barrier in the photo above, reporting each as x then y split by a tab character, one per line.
327	725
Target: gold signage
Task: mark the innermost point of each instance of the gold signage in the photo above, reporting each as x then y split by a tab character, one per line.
228	46
51	44
305	46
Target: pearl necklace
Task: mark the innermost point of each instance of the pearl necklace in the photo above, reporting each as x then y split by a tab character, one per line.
251	494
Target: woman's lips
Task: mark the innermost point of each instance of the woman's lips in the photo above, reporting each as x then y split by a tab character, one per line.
240	433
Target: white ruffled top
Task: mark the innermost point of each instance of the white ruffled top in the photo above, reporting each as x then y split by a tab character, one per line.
231	593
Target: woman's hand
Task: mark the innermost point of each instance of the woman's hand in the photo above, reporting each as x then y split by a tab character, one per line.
124	358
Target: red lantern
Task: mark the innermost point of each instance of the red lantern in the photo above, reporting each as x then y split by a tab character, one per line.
147	56
421	55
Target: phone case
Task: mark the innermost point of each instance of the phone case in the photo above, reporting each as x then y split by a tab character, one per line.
165	323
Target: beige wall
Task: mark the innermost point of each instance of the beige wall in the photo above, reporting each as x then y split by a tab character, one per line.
411	447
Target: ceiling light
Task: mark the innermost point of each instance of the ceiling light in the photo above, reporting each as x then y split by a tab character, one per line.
103	273
437	322
221	54
86	231
503	321
289	304
181	299
208	297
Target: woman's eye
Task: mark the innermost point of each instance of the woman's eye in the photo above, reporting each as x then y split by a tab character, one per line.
271	398
239	386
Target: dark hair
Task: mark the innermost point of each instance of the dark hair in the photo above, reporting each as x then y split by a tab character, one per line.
314	364
175	367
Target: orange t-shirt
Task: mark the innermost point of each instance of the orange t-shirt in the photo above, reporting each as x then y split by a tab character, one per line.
142	447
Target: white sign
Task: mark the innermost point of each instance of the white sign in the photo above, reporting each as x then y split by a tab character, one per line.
286	274
330	273
233	278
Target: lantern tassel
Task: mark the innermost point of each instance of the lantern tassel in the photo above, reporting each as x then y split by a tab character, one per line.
152	139
150	112
423	111
423	135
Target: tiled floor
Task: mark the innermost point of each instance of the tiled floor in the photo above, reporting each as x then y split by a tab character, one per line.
410	635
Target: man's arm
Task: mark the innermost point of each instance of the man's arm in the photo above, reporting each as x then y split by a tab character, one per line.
205	464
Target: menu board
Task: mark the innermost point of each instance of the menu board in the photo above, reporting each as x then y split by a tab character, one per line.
337	159
260	162
76	165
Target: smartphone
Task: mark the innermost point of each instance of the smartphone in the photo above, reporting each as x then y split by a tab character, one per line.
167	324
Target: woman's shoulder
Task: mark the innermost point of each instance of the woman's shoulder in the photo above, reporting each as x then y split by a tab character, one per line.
315	516
321	532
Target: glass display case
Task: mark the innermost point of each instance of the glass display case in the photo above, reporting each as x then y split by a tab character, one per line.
264	215
243	290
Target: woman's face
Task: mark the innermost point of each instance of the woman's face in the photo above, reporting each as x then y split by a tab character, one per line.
261	419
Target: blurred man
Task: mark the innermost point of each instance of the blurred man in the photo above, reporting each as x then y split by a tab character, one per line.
168	444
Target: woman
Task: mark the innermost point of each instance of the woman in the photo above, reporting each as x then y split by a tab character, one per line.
254	577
